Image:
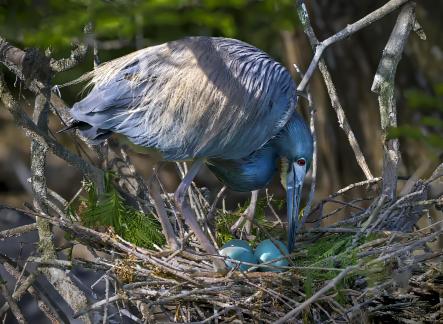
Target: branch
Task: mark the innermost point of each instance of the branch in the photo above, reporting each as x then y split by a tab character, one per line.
77	56
73	296
331	284
311	109
384	86
12	304
32	62
332	92
18	294
35	133
344	33
44	302
17	231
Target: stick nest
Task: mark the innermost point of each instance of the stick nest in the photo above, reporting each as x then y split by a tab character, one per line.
350	271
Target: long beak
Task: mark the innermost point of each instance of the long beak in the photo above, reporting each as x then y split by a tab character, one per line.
294	183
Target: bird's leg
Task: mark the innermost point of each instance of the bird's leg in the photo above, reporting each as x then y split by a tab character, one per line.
248	214
183	206
168	231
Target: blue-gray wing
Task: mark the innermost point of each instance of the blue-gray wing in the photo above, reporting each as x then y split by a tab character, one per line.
195	97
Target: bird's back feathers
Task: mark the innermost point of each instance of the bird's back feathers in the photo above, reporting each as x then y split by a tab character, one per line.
191	98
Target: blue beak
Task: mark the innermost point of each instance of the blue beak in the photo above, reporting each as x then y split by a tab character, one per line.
294	186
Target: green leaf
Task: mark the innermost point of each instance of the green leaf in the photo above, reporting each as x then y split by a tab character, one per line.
110	210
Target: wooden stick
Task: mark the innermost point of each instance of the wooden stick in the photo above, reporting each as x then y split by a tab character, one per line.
383	85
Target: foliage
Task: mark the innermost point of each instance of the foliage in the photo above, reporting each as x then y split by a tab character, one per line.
429	127
109	209
333	251
121	26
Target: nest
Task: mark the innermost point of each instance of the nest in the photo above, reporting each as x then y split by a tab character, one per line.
350	271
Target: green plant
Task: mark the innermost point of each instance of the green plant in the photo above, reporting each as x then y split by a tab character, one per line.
109	209
261	228
429	128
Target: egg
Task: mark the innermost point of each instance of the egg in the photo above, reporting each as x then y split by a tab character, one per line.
238	253
267	251
239	243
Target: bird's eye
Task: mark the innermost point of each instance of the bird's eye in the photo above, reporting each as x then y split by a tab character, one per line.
301	162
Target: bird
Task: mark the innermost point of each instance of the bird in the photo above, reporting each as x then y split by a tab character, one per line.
213	100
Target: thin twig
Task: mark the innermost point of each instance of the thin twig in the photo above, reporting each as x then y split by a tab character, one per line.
12	304
331	284
17	231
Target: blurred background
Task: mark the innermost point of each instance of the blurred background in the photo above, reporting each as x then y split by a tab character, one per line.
122	26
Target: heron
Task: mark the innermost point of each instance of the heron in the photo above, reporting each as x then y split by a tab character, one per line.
213	100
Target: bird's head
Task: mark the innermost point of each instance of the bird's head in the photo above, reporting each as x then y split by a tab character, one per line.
294	146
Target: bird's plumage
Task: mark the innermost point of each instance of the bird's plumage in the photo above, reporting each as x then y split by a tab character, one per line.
191	98
246	174
256	170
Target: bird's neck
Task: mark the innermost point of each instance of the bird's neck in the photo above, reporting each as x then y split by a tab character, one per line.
250	173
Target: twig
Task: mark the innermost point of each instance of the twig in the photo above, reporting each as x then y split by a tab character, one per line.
17	295
12	304
216	315
78	54
17	231
44	302
307	209
407	248
380	218
355	185
61	282
331	284
105	313
342	34
35	133
100	304
211	213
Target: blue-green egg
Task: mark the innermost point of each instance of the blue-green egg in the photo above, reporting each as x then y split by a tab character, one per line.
239	243
268	251
240	254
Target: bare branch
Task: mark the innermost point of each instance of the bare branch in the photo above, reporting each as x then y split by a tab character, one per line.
47	306
33	63
35	133
58	278
12	304
335	102
342	34
384	86
17	231
331	284
18	294
77	56
311	107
